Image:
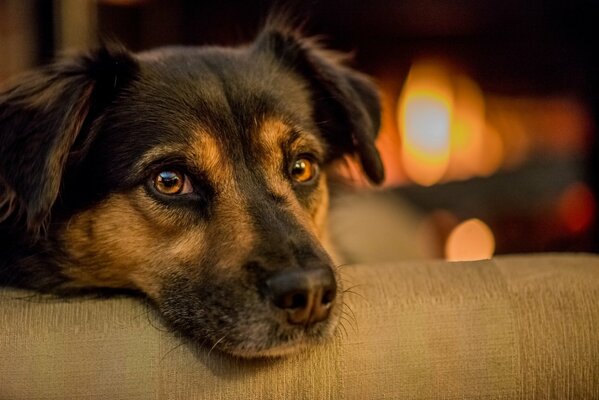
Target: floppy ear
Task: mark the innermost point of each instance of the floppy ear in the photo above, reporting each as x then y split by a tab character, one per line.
346	103
42	115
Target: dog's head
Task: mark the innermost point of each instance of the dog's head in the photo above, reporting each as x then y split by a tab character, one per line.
194	175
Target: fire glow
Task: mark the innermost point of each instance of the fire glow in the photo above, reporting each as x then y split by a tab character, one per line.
441	119
425	112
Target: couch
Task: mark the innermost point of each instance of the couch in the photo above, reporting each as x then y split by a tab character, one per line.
511	327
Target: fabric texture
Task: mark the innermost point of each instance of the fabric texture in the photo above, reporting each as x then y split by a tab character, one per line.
512	327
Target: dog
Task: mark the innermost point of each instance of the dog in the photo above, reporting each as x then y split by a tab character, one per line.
196	176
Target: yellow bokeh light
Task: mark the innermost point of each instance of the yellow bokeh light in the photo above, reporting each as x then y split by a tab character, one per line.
425	113
470	240
443	127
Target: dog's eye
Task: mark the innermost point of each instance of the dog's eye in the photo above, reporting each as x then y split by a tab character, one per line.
172	183
304	170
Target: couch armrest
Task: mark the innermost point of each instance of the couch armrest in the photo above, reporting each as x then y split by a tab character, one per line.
525	326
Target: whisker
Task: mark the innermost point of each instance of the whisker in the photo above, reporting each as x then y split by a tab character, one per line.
352	322
153	319
354	286
349	291
153	324
350	313
170	351
340	266
146	309
216	344
341	319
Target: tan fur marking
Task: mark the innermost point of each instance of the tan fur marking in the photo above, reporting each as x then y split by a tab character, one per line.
207	153
232	223
274	134
127	241
203	151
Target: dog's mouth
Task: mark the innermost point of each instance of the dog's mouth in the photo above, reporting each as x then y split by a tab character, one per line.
277	344
243	322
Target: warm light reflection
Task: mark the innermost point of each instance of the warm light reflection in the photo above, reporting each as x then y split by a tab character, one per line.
425	112
470	240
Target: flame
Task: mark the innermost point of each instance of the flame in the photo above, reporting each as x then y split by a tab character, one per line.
425	111
444	131
470	240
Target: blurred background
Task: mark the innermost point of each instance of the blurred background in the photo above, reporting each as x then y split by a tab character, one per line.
489	133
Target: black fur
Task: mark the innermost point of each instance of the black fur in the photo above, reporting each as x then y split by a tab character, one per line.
41	120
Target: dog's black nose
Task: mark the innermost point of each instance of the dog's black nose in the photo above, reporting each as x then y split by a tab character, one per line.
306	295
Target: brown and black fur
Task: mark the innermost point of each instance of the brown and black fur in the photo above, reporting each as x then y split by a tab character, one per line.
81	139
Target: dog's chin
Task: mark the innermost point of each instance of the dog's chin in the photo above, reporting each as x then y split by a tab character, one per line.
277	351
301	342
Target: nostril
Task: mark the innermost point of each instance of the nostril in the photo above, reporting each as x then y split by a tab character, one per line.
328	297
292	300
299	300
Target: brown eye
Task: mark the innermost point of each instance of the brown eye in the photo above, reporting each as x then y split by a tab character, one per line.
304	170
172	183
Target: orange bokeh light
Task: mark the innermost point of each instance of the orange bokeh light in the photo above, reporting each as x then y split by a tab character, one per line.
467	129
470	240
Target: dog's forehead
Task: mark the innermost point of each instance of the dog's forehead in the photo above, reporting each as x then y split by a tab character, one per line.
232	97
218	86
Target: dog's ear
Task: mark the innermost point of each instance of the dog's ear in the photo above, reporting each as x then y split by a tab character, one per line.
42	115
346	103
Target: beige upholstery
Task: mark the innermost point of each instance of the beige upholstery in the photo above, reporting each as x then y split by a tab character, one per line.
514	327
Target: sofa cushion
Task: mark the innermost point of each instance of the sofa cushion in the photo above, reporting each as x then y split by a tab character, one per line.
517	326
